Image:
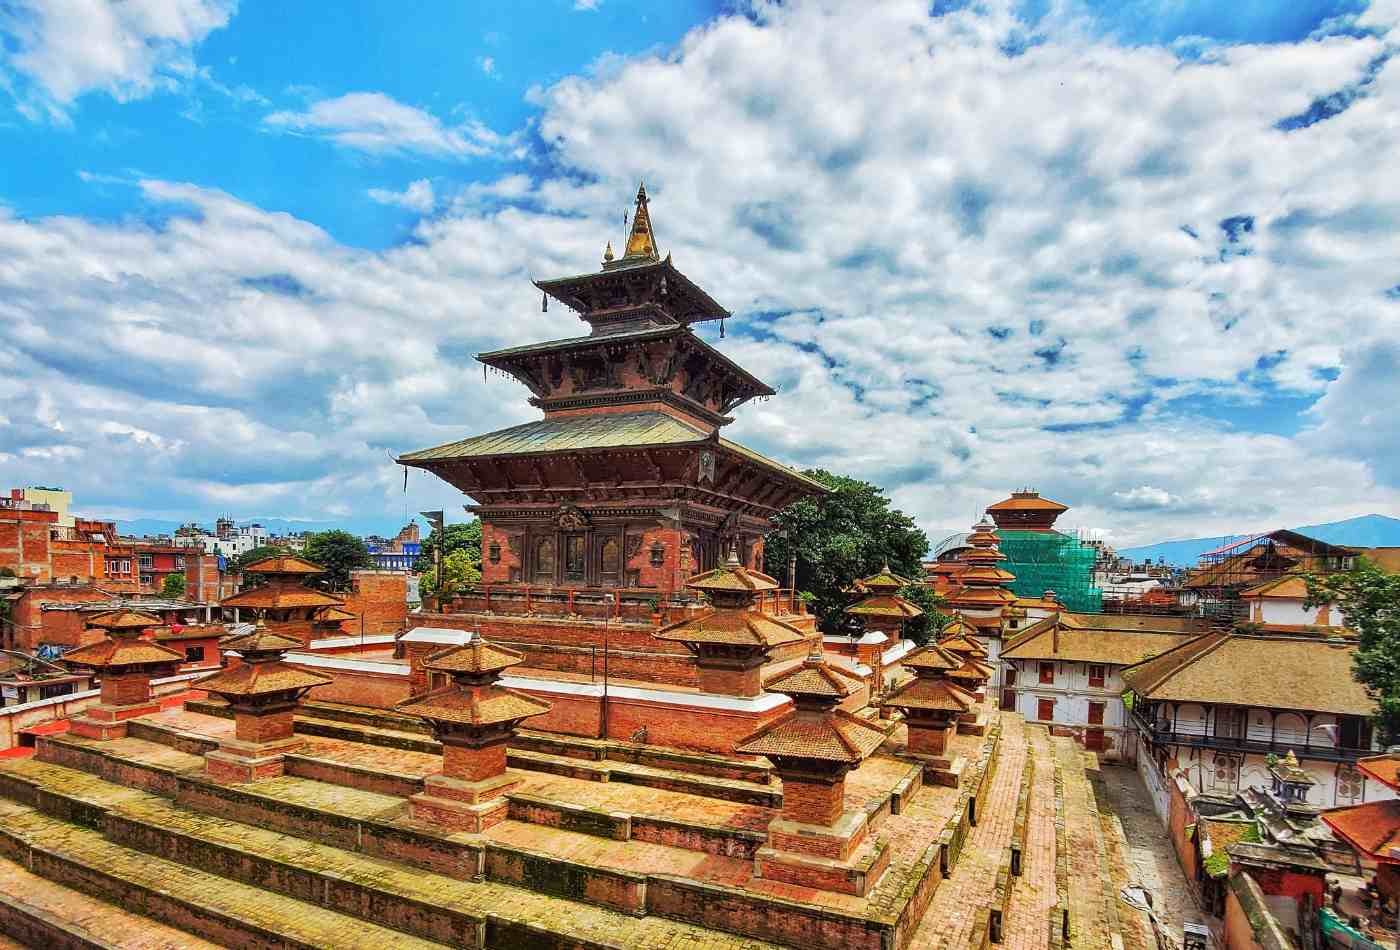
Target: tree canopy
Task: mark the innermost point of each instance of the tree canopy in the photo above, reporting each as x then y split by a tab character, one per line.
339	552
173	586
457	572
455	537
840	538
1369	599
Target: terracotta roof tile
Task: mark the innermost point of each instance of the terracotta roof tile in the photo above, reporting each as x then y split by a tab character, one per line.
929	693
274	597
261	679
1116	647
836	736
817	678
885	580
1289	586
260	640
732	577
738	627
884	605
112	652
284	564
478	656
933	658
1373	827
124	619
1383	768
482	706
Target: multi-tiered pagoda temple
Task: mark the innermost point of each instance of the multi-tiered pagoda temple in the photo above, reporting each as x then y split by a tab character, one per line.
625	482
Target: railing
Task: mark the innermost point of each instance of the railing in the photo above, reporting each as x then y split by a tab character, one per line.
1204	740
594	603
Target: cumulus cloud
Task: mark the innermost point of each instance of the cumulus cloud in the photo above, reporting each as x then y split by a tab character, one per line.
1021	274
379	124
127	48
418	196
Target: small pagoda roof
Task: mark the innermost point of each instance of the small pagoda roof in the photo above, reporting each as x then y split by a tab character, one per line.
884	605
484	706
937	695
963	644
261	679
817	678
284	564
122	652
275	597
885	580
260	640
836	736
478	656
732	627
986	573
685	301
124	619
981	597
334	614
732	577
933	658
1027	501
1372	828
971	670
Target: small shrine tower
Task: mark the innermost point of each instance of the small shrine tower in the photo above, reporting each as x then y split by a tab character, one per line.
126	664
931	702
284	601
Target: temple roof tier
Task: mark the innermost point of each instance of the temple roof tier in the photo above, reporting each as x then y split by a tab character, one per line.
816	679
275	597
837	736
884	581
931	658
733	628
476	657
260	640
112	652
261	679
933	694
879	605
284	564
119	622
481	706
732	577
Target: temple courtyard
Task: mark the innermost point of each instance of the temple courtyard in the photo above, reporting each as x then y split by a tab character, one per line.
127	842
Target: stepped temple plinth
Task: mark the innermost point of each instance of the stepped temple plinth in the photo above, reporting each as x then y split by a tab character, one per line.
263	691
126	664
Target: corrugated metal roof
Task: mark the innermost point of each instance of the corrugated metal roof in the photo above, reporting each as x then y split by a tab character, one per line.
574	432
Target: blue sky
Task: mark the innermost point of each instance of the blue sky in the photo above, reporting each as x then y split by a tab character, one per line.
1141	255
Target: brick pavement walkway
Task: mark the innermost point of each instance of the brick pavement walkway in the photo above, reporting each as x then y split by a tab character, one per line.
1033	893
952	914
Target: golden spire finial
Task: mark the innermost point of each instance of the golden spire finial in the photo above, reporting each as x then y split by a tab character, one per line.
608	252
641	242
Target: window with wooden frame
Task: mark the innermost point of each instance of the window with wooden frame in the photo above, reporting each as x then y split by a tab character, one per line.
1096	675
1047	673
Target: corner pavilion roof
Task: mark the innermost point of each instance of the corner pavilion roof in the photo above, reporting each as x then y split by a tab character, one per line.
885	580
481	706
971	670
884	605
272	596
284	564
260	640
837	736
962	644
122	652
478	656
261	679
938	695
732	577
124	619
816	678
734	627
933	658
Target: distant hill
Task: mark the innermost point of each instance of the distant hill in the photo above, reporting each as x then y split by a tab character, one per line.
1365	531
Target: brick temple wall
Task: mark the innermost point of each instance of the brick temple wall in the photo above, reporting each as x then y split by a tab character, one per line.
380	601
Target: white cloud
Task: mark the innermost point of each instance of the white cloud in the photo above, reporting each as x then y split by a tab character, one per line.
375	123
488	65
418	196
965	270
127	48
587	4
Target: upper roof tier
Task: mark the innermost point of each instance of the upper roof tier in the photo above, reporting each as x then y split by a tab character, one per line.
1027	511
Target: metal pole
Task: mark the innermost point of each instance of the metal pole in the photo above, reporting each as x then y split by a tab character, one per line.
603	712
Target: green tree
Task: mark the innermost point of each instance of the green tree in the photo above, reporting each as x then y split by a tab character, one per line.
923	629
237	564
840	538
457	572
455	537
1369	600
339	552
173	587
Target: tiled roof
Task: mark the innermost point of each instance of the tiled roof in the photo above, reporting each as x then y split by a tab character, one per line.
963	644
980	597
260	640
1383	768
334	615
275	597
972	670
1114	647
483	706
884	605
1270	672
478	656
836	736
260	679
815	677
114	652
739	627
124	620
284	564
885	580
932	658
1027	501
732	577
1289	586
1373	827
1149	622
934	694
611	430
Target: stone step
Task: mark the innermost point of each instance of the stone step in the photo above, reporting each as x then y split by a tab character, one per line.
201	903
410	899
35	912
730	790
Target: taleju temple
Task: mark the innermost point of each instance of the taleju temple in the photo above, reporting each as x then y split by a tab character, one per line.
627	735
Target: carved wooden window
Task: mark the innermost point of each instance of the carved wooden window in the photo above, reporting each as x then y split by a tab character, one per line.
575	560
544	561
1351	784
610	560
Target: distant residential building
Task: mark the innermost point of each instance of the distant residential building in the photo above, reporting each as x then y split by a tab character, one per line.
28	679
1216	707
1065	672
399	553
57	500
1214	588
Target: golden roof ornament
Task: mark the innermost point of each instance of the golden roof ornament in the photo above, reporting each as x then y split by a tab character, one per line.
608	253
641	242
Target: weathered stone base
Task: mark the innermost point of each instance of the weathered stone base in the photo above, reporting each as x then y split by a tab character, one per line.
96	728
836	841
972	724
232	768
458	816
107	721
855	874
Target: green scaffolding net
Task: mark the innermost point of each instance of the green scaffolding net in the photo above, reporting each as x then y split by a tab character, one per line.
1049	560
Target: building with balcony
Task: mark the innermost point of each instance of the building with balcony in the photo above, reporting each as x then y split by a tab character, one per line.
1215	708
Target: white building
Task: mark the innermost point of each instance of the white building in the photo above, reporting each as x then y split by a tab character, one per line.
1215	708
1064	671
1281	603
